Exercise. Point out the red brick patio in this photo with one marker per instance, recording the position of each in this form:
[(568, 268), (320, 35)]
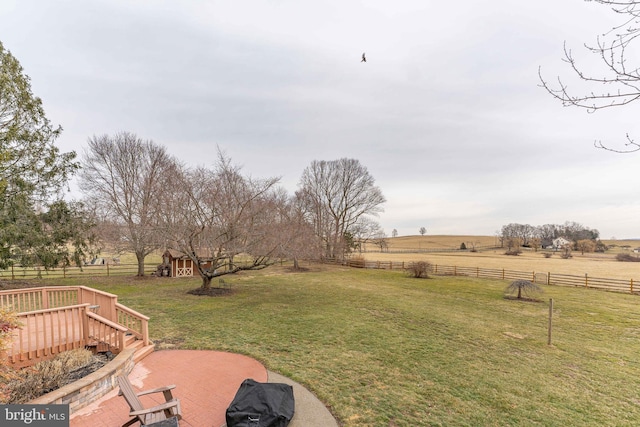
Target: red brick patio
[(206, 382)]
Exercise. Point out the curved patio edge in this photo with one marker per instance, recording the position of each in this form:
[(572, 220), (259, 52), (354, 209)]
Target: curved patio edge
[(309, 410)]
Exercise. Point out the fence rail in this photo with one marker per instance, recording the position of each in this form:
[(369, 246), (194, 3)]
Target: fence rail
[(17, 272), (556, 279), (436, 250)]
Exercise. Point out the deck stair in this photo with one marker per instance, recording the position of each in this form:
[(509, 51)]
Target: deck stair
[(141, 351), (130, 341)]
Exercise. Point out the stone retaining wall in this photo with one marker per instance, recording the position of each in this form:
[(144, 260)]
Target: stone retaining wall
[(90, 388)]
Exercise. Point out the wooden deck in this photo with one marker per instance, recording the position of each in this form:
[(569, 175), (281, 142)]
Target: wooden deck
[(57, 319)]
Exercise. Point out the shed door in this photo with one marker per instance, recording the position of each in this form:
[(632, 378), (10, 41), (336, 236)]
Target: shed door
[(184, 268)]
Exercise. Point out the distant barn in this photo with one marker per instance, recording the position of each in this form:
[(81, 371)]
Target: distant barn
[(561, 242)]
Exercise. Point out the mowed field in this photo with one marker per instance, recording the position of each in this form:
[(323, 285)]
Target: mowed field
[(418, 248), (382, 349)]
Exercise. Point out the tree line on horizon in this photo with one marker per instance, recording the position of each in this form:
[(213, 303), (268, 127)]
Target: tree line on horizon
[(515, 235)]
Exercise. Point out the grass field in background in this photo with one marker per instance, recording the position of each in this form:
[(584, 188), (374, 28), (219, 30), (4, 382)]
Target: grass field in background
[(382, 349), (593, 264), (454, 242)]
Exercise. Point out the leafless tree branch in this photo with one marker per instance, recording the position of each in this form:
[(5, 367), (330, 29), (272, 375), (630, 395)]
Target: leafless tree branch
[(619, 82)]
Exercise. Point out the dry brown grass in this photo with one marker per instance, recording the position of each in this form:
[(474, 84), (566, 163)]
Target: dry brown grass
[(593, 264), (48, 375), (439, 242)]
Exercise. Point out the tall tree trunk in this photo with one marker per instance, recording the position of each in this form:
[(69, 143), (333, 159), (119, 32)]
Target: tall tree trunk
[(206, 282), (140, 258)]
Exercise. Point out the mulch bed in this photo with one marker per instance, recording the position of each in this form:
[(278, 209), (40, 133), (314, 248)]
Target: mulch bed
[(97, 362), (211, 292)]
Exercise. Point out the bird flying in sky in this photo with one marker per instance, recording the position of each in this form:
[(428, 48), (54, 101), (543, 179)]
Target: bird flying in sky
[(364, 59)]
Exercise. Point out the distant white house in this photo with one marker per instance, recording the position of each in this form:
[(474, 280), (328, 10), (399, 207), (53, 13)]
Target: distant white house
[(560, 242)]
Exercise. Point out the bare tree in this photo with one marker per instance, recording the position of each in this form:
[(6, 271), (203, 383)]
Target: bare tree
[(618, 83), (381, 242), (123, 177), (394, 233), (524, 232), (366, 230), (336, 194), (586, 245), (535, 243), (513, 245), (523, 289), (223, 221), (296, 236)]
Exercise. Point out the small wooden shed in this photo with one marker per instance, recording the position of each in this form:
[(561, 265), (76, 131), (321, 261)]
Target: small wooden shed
[(177, 264)]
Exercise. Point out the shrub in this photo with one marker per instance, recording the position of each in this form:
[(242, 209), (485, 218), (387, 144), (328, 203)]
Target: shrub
[(548, 254), (48, 375), (419, 269), (463, 247), (8, 322), (513, 252), (566, 252), (627, 258), (523, 289)]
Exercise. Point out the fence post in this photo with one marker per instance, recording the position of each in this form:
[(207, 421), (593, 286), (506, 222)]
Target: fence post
[(586, 281), (549, 278), (477, 271), (503, 274), (533, 277), (455, 270), (550, 318), (631, 285)]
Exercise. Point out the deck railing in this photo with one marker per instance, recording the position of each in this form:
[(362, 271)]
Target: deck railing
[(106, 335), (56, 319), (136, 323), (45, 333)]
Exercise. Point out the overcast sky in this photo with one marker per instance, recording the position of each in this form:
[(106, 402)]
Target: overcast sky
[(446, 114)]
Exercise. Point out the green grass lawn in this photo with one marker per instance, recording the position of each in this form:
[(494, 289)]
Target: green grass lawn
[(382, 349)]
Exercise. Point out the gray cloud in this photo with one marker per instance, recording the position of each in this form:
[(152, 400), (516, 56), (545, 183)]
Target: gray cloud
[(446, 114)]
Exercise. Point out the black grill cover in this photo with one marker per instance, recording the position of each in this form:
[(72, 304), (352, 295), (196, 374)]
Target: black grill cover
[(261, 405)]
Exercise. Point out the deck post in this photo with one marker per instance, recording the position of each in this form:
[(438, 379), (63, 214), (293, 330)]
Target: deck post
[(85, 324)]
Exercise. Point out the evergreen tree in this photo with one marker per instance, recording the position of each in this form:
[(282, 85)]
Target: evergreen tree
[(35, 222)]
